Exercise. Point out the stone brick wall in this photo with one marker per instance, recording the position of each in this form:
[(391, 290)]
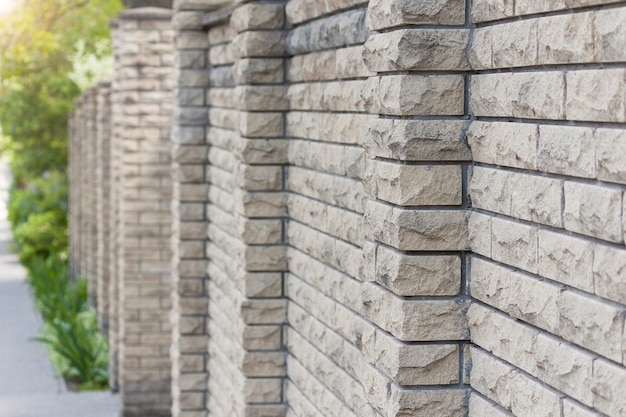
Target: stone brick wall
[(378, 208), (547, 227)]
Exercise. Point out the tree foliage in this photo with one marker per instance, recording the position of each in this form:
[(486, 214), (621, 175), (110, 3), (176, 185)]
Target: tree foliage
[(43, 44)]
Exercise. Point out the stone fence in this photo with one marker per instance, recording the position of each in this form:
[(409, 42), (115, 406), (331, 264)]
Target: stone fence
[(359, 209)]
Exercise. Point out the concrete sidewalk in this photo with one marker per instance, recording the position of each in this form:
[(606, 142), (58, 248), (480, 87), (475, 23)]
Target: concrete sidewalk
[(29, 386)]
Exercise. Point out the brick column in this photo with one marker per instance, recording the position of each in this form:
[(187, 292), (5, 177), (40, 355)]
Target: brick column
[(416, 219), (103, 181), (143, 95), (190, 302), (91, 195)]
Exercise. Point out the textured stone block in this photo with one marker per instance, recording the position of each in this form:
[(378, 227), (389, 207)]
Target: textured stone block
[(404, 95), (255, 125), (413, 185), (532, 95), (257, 16), (566, 259), (596, 95), (485, 10), (491, 143), (417, 230), (610, 146), (593, 210), (259, 44), (417, 49), (384, 14), (258, 71), (609, 273), (420, 275), (514, 244), (567, 150), (266, 98), (417, 140)]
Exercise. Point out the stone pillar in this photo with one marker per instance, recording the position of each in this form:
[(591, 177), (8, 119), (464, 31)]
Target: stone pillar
[(73, 175), (103, 209), (84, 186), (143, 42), (189, 268), (416, 220), (91, 195)]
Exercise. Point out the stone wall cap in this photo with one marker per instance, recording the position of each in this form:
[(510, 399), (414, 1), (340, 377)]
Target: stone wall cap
[(146, 13)]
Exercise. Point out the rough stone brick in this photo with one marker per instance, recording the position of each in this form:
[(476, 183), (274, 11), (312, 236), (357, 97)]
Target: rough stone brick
[(593, 210), (566, 259), (514, 244), (571, 409), (417, 49), (258, 71), (267, 98), (412, 185), (312, 67), (479, 406), (609, 30), (490, 143), (299, 11), (609, 273), (607, 395), (403, 95), (257, 16), (264, 124), (407, 275), (507, 45), (417, 230), (349, 63), (567, 150), (533, 95), (384, 14), (596, 95), (610, 146), (565, 39), (479, 231), (485, 10)]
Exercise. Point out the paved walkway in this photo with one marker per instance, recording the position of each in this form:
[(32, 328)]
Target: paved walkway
[(29, 386)]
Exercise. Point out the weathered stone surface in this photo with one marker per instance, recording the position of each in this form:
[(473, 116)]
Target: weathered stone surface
[(384, 14), (264, 124), (404, 95), (533, 95), (565, 39), (258, 71), (610, 146), (415, 321), (607, 396), (490, 143), (596, 95), (485, 10), (609, 273), (299, 11), (344, 29), (417, 140), (593, 210), (259, 44), (417, 230), (512, 44), (514, 244), (566, 259), (413, 185), (407, 275), (257, 16), (417, 49), (567, 150), (268, 98)]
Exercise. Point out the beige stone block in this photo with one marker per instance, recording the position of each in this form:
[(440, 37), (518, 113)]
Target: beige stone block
[(479, 231), (565, 39), (259, 178), (415, 320), (315, 66), (259, 71), (610, 147), (259, 44), (221, 34), (349, 63), (422, 275), (514, 44), (259, 231), (404, 95), (417, 140), (563, 368), (594, 211), (384, 14), (329, 127), (262, 390), (513, 341), (567, 150), (299, 11), (259, 364), (257, 16), (259, 151), (609, 31), (416, 185), (514, 244), (254, 125), (566, 259), (332, 96), (261, 337), (189, 39), (263, 311), (545, 402), (417, 364), (609, 273), (536, 6), (532, 95), (481, 53), (608, 380), (417, 49), (265, 98), (491, 378), (417, 230), (263, 284), (596, 95), (486, 10)]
